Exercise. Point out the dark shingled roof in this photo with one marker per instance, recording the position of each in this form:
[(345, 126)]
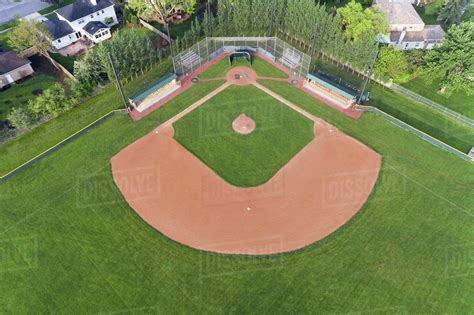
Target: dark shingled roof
[(58, 28), (93, 27), (81, 8), (10, 61)]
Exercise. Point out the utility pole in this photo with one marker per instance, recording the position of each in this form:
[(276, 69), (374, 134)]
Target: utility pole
[(270, 32), (369, 74), (117, 79), (171, 46), (209, 27)]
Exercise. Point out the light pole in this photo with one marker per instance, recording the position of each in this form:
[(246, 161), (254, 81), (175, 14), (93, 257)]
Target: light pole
[(171, 45), (209, 26), (270, 32), (369, 74), (117, 79)]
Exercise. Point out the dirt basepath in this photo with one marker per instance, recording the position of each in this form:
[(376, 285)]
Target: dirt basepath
[(313, 195)]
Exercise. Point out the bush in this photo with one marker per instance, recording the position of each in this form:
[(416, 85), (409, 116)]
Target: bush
[(20, 118), (109, 20)]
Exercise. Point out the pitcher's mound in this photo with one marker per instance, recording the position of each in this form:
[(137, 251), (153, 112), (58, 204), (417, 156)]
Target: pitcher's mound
[(243, 124)]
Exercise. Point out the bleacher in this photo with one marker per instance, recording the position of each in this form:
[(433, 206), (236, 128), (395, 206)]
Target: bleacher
[(190, 59), (291, 58), (155, 92), (325, 89)]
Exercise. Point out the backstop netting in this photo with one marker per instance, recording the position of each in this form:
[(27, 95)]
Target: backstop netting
[(273, 48)]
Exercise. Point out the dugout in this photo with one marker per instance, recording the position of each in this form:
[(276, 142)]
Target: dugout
[(155, 92), (240, 55), (323, 87)]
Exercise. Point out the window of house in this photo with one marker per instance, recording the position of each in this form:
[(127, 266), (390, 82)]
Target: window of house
[(81, 21), (98, 13), (103, 11), (92, 15), (59, 40), (69, 36)]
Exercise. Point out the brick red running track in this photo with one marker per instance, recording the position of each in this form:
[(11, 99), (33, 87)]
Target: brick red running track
[(318, 191)]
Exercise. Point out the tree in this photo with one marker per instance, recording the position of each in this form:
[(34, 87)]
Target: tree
[(452, 11), (453, 61), (358, 22), (52, 102), (30, 34), (161, 10), (391, 63), (19, 118)]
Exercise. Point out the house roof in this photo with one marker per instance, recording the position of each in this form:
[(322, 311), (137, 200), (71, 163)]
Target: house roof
[(58, 28), (94, 27), (431, 33), (81, 8), (10, 61), (399, 11)]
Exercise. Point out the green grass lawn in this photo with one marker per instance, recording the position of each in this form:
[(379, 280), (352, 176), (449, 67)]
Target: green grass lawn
[(66, 62), (459, 102), (244, 160), (19, 94), (261, 67), (71, 244), (28, 145)]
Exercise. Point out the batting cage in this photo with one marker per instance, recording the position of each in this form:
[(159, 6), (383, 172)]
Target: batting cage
[(273, 48)]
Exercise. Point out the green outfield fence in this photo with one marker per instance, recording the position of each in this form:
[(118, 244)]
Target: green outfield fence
[(60, 144), (420, 134)]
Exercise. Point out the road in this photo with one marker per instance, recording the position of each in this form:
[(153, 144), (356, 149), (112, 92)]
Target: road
[(10, 8)]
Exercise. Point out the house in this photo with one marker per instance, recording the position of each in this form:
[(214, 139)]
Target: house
[(13, 68), (87, 19), (407, 29)]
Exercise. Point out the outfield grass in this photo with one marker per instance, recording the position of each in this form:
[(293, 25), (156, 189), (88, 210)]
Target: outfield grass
[(19, 94), (28, 145), (459, 101), (70, 242), (244, 160), (261, 67)]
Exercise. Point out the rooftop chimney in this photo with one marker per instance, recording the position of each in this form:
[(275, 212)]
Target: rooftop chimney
[(94, 2)]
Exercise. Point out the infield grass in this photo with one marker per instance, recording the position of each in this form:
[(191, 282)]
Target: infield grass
[(261, 67), (244, 160)]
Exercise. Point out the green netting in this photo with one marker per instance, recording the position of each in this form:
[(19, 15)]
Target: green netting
[(330, 86)]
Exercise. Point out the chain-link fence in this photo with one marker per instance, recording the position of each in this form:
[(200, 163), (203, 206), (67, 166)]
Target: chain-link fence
[(416, 132), (273, 48), (423, 100)]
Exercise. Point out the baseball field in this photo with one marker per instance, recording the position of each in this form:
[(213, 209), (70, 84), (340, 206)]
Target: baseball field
[(71, 242)]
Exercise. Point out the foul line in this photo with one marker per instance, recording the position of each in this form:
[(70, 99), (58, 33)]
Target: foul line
[(43, 154)]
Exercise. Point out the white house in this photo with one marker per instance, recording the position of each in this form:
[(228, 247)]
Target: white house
[(407, 29), (90, 19)]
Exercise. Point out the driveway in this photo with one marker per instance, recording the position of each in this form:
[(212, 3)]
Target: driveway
[(11, 8)]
